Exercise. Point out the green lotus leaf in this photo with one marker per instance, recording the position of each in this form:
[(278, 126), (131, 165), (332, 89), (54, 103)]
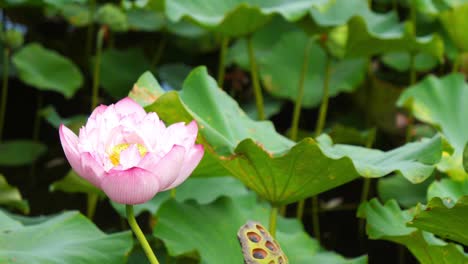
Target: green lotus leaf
[(73, 183), (214, 240), (11, 197), (146, 90), (279, 51), (65, 238), (368, 33), (442, 103), (280, 70), (145, 20), (407, 194), (456, 16), (448, 189), (52, 117), (120, 68), (447, 221), (47, 70), (20, 152), (201, 190), (388, 222), (414, 161), (273, 166), (434, 7), (238, 18), (401, 61)]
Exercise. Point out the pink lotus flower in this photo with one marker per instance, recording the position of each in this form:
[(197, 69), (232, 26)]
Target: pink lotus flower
[(129, 154)]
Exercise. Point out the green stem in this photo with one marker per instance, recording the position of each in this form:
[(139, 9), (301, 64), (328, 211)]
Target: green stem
[(222, 58), (159, 51), (97, 67), (369, 3), (6, 63), (255, 80), (140, 236), (37, 118), (273, 217), (366, 187), (35, 136), (89, 33), (324, 105), (91, 204), (300, 209), (173, 193), (456, 64), (315, 217), (413, 79), (300, 91)]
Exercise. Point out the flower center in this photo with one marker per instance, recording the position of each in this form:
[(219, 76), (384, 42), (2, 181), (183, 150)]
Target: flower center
[(115, 153)]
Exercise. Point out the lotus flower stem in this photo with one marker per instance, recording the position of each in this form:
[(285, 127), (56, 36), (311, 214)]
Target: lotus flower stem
[(255, 80), (324, 106), (91, 204), (222, 58), (173, 193), (365, 188), (159, 51), (140, 236), (300, 91), (456, 64), (97, 67), (6, 62), (273, 218), (89, 33), (315, 217), (413, 79), (300, 209), (35, 135)]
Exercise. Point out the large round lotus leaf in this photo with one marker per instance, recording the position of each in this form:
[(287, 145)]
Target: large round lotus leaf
[(46, 69), (237, 17), (447, 221), (20, 152), (217, 224), (389, 222), (443, 103), (280, 70), (370, 33), (273, 166), (66, 238)]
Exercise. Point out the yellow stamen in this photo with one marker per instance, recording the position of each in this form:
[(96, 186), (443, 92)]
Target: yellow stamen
[(115, 153)]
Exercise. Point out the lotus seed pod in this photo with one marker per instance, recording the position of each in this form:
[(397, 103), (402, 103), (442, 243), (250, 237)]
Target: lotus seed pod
[(13, 38)]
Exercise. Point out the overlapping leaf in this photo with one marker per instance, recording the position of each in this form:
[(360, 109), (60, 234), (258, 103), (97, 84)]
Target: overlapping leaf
[(214, 240), (369, 33), (388, 222), (237, 18), (442, 219), (442, 103), (279, 51), (46, 69), (415, 161), (407, 194), (66, 238), (268, 163), (201, 190)]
